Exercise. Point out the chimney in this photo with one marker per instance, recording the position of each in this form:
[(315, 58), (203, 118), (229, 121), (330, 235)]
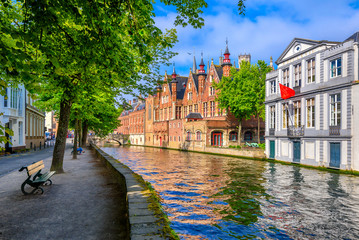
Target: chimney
[(130, 102)]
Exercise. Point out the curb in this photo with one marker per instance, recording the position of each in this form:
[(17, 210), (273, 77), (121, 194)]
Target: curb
[(146, 218)]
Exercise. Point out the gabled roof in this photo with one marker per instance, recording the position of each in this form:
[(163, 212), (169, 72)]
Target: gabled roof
[(219, 70), (194, 115), (295, 41), (195, 80), (354, 37), (141, 107), (181, 86)]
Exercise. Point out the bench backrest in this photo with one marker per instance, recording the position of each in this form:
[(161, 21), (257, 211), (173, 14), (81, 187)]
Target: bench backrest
[(34, 168)]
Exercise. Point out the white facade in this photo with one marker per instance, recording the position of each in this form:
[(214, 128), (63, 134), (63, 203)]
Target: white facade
[(316, 126), (12, 105)]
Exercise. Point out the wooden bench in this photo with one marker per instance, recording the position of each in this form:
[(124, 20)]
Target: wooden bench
[(35, 178)]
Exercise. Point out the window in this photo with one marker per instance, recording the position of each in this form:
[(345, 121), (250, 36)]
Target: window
[(213, 108), (14, 97), (170, 138), (198, 135), (164, 89), (311, 70), (179, 138), (190, 108), (273, 86), (189, 85), (211, 91), (233, 136), (185, 111), (165, 111), (297, 114), (178, 112), (188, 136), (285, 77), (190, 96), (211, 78), (310, 112), (297, 75), (248, 136), (174, 138), (272, 117), (335, 110), (170, 112), (196, 108), (179, 125), (336, 68), (205, 109), (285, 115)]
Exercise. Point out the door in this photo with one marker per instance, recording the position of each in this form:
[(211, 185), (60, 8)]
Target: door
[(271, 149), (296, 152), (334, 155), (216, 139)]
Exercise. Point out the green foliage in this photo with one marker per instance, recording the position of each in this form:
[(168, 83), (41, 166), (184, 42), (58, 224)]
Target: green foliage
[(262, 145)]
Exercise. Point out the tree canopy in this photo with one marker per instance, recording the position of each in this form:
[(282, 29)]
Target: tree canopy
[(243, 92), (60, 49)]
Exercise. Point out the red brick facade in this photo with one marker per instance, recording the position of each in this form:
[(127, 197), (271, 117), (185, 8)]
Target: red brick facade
[(179, 96)]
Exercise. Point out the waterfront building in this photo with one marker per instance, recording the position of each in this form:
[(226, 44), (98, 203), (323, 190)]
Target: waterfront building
[(35, 125), (186, 115), (133, 122), (316, 126), (12, 105)]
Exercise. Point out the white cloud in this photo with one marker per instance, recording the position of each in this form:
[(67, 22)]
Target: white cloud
[(265, 34)]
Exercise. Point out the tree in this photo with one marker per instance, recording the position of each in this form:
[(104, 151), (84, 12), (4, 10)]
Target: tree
[(243, 93), (60, 48)]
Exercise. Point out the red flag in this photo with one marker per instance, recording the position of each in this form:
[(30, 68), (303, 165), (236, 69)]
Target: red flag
[(286, 92)]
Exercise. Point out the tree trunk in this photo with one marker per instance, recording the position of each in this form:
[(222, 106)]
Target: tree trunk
[(60, 145), (239, 132), (259, 129), (80, 132), (74, 153), (84, 133)]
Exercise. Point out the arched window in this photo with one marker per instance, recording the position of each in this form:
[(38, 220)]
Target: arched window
[(198, 135), (233, 136), (188, 136), (248, 136)]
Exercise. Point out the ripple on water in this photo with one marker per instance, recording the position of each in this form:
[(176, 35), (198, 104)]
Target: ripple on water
[(211, 197)]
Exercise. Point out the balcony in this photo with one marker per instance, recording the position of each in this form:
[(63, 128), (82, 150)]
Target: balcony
[(271, 131), (293, 131), (334, 130)]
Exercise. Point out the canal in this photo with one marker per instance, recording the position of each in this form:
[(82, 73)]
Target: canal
[(214, 197)]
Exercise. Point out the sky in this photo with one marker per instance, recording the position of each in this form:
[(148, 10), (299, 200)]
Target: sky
[(266, 29)]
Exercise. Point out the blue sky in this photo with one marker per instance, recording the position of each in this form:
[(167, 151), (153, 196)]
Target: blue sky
[(266, 29)]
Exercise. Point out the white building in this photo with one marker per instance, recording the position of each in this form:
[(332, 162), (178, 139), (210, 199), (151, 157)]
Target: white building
[(12, 105), (319, 125)]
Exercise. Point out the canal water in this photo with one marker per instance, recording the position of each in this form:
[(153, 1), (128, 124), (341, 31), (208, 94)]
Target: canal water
[(213, 197)]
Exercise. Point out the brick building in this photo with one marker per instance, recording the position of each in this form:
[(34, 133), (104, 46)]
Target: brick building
[(133, 122), (184, 114)]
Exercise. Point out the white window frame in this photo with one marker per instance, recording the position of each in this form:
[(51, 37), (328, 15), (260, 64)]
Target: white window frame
[(310, 112), (297, 113), (285, 77), (311, 71), (336, 68), (298, 75), (272, 117), (273, 86), (335, 109)]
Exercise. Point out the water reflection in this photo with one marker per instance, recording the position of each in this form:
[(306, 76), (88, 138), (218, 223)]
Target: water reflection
[(210, 197)]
